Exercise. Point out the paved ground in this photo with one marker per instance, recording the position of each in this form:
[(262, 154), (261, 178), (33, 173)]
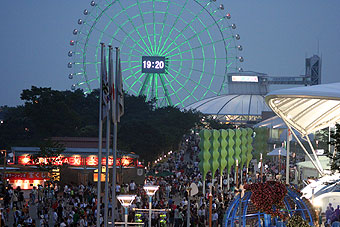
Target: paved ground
[(32, 211)]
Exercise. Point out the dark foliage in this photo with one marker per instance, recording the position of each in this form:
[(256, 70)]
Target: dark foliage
[(144, 129), (335, 157)]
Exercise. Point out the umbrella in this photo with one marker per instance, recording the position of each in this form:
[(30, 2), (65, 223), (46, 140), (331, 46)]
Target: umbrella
[(164, 174), (150, 173), (276, 152)]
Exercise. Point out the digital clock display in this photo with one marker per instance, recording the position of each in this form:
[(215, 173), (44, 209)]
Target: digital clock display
[(153, 64)]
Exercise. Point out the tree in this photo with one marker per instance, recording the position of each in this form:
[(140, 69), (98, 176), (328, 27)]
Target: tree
[(60, 113), (150, 131), (335, 157), (144, 129)]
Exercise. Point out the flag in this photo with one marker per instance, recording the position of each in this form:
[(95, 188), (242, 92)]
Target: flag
[(119, 88), (111, 83), (105, 90)]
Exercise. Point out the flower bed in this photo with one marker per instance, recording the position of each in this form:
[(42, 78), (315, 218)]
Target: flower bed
[(268, 197)]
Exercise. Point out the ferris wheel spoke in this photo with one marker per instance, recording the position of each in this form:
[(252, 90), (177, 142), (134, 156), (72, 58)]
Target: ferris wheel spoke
[(193, 59), (197, 47), (189, 92), (163, 25), (104, 33), (86, 63), (95, 46), (133, 25), (131, 86), (126, 33), (175, 92), (198, 33), (133, 74), (201, 71), (142, 88), (189, 24), (128, 61), (165, 89), (173, 25), (146, 29), (133, 67), (154, 26), (149, 81), (189, 33), (198, 84), (156, 85), (130, 54)]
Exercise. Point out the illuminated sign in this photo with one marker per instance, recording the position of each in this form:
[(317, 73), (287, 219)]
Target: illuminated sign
[(26, 175), (58, 161), (76, 160), (251, 79), (153, 64)]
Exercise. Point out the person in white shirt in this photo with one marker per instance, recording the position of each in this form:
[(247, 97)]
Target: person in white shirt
[(214, 218), (117, 188), (132, 186)]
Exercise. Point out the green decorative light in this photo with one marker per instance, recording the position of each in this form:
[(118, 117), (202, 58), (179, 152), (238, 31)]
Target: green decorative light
[(193, 35)]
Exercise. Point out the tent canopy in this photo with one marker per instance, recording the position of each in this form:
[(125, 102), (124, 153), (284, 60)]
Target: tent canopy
[(307, 109), (278, 151)]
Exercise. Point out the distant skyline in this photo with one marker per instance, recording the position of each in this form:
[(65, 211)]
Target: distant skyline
[(276, 37)]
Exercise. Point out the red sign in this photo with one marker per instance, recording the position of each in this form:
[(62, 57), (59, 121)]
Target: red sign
[(26, 176), (73, 161), (77, 160), (126, 161)]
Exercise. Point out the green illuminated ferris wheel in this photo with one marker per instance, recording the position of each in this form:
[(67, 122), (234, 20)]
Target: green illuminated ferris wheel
[(177, 52)]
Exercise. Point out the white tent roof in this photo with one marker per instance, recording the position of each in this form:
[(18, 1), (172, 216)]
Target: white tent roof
[(277, 151), (308, 164), (319, 184), (307, 109), (273, 122), (231, 105)]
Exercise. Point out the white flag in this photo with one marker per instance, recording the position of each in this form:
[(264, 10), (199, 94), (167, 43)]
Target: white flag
[(105, 87), (119, 95)]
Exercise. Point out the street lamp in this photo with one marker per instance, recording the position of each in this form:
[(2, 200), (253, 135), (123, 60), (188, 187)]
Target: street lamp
[(126, 201), (150, 191)]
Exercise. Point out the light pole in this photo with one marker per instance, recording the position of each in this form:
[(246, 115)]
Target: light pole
[(5, 162), (150, 191), (126, 201)]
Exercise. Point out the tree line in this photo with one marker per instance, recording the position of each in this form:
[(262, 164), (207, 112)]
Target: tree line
[(144, 129)]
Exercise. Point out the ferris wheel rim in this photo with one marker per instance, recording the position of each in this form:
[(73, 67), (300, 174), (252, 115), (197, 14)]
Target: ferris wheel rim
[(159, 50)]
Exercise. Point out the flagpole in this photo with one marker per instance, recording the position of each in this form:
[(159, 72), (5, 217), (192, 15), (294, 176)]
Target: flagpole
[(100, 138), (109, 81), (107, 170), (114, 146), (287, 157)]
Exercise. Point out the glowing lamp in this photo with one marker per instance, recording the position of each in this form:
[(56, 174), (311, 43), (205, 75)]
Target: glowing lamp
[(150, 189), (126, 200)]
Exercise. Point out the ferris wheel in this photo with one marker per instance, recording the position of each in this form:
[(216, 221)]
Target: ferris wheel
[(176, 52)]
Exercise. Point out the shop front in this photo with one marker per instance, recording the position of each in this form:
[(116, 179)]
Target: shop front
[(75, 165), (26, 180)]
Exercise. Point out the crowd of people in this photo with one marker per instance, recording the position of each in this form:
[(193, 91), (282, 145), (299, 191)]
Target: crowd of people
[(332, 216), (76, 205)]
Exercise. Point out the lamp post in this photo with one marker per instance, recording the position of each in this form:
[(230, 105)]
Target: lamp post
[(126, 201), (150, 191), (5, 162)]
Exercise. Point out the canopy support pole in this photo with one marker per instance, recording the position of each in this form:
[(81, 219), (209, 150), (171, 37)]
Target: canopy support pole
[(304, 149), (314, 153)]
